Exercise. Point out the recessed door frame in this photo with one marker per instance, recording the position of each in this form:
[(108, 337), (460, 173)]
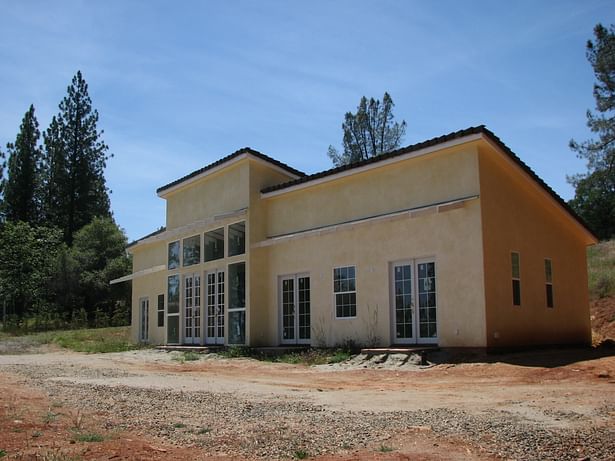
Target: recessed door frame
[(215, 303), (144, 320), (193, 310)]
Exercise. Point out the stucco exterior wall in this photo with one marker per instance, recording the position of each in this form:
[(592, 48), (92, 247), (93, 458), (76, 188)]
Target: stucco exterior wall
[(219, 192), (518, 216), (438, 176), (149, 286), (453, 238)]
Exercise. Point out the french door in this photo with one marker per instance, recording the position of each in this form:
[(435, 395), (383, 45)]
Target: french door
[(414, 302), (192, 309), (294, 299), (143, 319), (215, 308)]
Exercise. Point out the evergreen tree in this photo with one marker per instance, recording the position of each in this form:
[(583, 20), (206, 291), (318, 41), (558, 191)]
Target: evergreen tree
[(369, 132), (23, 188), (595, 191), (2, 182), (75, 160)]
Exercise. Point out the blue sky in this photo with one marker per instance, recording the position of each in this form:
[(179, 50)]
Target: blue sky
[(180, 84)]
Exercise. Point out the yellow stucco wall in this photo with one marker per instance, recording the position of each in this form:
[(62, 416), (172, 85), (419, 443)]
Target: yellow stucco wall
[(415, 182), (223, 191), (150, 286), (452, 238), (519, 216)]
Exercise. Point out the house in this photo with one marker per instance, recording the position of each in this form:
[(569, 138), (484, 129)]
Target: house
[(453, 241)]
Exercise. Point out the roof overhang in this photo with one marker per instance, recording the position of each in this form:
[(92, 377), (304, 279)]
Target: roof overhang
[(166, 191), (371, 166)]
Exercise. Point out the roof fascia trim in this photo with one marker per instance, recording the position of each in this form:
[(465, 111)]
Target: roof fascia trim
[(399, 158)]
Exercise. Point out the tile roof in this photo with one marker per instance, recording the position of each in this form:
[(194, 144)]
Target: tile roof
[(156, 232), (244, 150), (480, 129)]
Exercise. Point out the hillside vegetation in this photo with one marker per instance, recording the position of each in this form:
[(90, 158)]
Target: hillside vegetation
[(601, 271)]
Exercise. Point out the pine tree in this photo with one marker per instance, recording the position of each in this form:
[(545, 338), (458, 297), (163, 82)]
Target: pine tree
[(76, 158), (23, 188), (369, 132), (595, 191)]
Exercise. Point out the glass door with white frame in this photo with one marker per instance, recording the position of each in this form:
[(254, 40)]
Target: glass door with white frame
[(192, 309), (295, 309), (215, 308), (414, 302)]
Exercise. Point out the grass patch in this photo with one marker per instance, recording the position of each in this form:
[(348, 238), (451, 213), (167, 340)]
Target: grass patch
[(385, 449), (187, 357), (50, 417), (179, 425), (88, 437), (93, 340), (204, 430), (236, 351), (2, 453), (301, 357), (601, 269), (301, 454)]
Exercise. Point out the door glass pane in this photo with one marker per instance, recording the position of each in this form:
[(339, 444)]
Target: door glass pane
[(220, 306), (403, 301), (427, 300), (304, 308), (197, 306), (288, 309)]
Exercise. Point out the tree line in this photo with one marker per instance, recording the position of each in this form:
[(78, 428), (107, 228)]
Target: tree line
[(59, 243)]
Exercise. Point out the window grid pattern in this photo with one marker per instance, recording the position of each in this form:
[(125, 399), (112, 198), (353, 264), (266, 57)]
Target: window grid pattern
[(403, 301), (344, 288), (428, 325), (304, 308), (288, 309), (197, 306), (188, 319)]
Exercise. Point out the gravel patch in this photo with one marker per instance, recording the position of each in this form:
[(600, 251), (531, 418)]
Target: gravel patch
[(276, 427)]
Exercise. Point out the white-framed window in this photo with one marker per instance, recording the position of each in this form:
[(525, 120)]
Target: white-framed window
[(237, 238), (214, 244), (237, 303), (345, 292), (549, 282), (173, 309), (173, 255), (515, 261), (192, 250)]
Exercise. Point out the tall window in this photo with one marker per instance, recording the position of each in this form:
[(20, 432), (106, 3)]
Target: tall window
[(516, 278), (549, 282), (237, 303), (192, 250), (214, 244), (345, 292), (237, 239), (173, 310), (161, 310), (173, 261)]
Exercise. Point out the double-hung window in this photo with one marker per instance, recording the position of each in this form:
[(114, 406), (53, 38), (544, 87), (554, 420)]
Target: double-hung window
[(345, 292)]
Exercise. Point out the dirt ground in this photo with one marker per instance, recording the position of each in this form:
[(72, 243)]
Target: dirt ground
[(557, 404)]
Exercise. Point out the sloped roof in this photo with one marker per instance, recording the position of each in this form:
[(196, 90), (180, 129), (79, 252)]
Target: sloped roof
[(156, 232), (480, 129), (244, 150)]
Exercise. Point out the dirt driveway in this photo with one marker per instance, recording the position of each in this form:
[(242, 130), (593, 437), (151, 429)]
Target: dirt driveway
[(58, 405)]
